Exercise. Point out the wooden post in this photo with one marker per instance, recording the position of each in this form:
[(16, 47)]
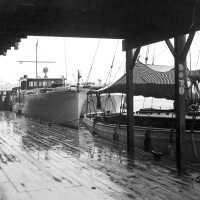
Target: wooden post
[(179, 51), (131, 58), (180, 81)]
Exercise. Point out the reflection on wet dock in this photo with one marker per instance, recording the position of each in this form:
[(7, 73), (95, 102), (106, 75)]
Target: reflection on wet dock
[(43, 161)]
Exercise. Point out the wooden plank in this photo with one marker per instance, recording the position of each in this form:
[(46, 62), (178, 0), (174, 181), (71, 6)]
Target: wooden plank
[(107, 178)]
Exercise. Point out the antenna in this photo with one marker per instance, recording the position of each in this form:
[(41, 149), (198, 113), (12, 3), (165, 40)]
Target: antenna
[(36, 48)]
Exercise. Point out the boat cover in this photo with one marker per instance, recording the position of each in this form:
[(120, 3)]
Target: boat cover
[(146, 82)]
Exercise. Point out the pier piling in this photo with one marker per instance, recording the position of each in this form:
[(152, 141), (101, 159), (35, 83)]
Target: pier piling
[(131, 57), (181, 47)]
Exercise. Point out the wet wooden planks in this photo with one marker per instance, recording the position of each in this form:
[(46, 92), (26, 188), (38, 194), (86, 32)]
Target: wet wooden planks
[(39, 162)]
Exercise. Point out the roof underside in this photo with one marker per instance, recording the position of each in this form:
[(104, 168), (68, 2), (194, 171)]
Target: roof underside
[(143, 21)]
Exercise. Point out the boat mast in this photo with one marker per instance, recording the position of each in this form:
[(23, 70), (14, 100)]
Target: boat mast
[(36, 59), (78, 81), (65, 60)]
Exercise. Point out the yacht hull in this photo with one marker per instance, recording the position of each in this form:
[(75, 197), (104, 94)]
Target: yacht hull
[(61, 107)]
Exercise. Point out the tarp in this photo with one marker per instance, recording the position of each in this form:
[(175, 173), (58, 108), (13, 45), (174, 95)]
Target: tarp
[(146, 82)]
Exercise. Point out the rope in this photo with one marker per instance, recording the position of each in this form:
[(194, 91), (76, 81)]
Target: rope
[(198, 58), (90, 99), (121, 104), (192, 136), (105, 103), (93, 59), (114, 107), (198, 55), (115, 53), (111, 67), (119, 68), (154, 52), (147, 55), (93, 105)]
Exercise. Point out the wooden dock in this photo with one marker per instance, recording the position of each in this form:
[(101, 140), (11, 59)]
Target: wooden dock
[(40, 161)]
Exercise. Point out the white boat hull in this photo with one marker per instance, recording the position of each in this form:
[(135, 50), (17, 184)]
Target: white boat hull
[(62, 107)]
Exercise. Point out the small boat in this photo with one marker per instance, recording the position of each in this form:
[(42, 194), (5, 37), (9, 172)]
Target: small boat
[(154, 129), (48, 99)]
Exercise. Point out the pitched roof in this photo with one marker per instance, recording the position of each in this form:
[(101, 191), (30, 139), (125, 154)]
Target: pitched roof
[(146, 82)]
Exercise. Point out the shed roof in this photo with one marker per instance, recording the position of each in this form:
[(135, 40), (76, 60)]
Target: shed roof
[(143, 21)]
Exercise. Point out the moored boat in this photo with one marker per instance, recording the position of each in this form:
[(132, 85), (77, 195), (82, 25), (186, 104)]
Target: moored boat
[(158, 139), (48, 99), (154, 129)]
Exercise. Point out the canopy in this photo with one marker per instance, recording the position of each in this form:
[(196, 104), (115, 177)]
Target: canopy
[(146, 82)]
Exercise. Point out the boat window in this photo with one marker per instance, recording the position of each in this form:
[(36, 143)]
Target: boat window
[(23, 85), (44, 83), (30, 84), (40, 84), (35, 83)]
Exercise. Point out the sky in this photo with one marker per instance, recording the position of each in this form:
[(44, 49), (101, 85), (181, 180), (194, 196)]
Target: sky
[(73, 54)]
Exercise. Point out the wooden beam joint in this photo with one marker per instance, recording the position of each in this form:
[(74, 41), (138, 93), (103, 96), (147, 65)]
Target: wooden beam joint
[(170, 46), (187, 45), (183, 54)]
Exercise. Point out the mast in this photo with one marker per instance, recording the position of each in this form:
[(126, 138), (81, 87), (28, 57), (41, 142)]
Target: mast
[(36, 60), (36, 49), (65, 60), (78, 81)]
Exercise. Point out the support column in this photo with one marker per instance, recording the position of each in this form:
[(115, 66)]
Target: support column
[(179, 51), (131, 57), (180, 83)]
